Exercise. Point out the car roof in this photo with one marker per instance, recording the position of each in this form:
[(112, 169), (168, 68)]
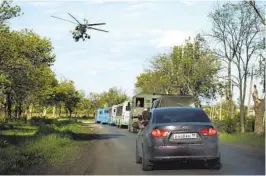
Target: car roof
[(176, 108)]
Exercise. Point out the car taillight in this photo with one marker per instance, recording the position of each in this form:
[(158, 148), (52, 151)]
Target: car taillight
[(159, 133), (208, 132)]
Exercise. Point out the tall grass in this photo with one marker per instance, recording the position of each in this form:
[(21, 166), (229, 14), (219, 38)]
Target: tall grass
[(47, 142), (249, 139)]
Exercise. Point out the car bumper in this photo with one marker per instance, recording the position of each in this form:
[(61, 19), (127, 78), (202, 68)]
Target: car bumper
[(181, 152)]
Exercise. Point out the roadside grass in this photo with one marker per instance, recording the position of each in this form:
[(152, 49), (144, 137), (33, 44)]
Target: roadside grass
[(24, 146), (248, 139), (86, 120)]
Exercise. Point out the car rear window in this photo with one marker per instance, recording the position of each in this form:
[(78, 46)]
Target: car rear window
[(180, 115)]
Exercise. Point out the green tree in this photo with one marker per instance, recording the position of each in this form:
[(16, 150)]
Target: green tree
[(184, 71), (8, 10), (153, 82), (238, 29), (24, 57), (71, 102), (113, 96)]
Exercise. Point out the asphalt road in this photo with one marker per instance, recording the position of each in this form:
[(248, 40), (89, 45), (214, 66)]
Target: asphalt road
[(115, 155)]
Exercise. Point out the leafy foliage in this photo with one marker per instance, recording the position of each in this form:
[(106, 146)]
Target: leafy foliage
[(8, 11), (183, 70)]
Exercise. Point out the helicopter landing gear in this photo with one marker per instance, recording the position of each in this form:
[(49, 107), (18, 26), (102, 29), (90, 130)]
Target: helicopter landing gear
[(87, 36), (76, 39)]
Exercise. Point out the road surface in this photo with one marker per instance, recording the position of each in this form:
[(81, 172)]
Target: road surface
[(115, 155)]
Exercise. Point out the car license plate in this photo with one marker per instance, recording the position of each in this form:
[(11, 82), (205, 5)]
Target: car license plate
[(185, 136)]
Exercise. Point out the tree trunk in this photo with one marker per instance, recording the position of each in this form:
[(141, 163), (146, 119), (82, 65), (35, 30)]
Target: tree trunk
[(53, 111), (242, 105), (20, 110), (242, 117), (259, 112), (230, 94), (5, 109), (66, 110), (9, 106), (243, 109), (59, 114), (44, 112), (30, 110), (16, 112)]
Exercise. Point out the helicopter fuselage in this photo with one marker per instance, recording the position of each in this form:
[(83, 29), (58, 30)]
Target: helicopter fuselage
[(80, 33), (81, 29)]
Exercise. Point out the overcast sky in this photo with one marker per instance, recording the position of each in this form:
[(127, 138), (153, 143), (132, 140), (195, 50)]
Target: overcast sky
[(139, 30)]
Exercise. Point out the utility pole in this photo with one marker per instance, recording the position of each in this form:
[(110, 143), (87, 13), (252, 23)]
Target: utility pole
[(250, 90)]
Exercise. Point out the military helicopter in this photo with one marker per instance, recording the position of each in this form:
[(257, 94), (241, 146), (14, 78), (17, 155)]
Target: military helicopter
[(81, 29)]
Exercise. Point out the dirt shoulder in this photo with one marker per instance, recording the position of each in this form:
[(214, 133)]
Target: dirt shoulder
[(79, 160)]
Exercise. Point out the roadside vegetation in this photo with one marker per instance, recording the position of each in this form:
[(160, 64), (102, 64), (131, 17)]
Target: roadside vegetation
[(40, 141), (41, 116)]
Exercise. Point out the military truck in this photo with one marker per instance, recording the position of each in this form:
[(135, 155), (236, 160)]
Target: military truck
[(140, 102), (174, 100), (149, 101)]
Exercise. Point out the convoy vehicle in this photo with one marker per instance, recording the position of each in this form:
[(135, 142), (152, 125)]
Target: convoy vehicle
[(156, 101), (176, 134), (112, 119), (174, 101), (123, 114), (105, 115), (99, 114), (140, 102)]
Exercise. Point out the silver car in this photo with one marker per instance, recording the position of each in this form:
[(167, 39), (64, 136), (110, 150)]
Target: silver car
[(177, 133)]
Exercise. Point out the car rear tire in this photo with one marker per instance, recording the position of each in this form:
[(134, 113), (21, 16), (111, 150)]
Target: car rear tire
[(215, 164), (146, 165), (138, 158)]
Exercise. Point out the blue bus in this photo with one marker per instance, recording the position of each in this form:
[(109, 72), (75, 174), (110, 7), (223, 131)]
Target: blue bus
[(105, 115), (99, 115), (112, 119)]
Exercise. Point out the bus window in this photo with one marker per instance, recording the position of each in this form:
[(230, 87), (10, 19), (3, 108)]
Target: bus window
[(128, 107), (119, 111), (140, 102), (106, 111)]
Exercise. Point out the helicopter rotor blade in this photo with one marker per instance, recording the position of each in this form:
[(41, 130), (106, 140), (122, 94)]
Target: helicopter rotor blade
[(63, 19), (98, 29), (74, 18), (94, 24)]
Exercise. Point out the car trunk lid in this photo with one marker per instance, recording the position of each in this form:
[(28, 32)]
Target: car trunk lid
[(182, 133)]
